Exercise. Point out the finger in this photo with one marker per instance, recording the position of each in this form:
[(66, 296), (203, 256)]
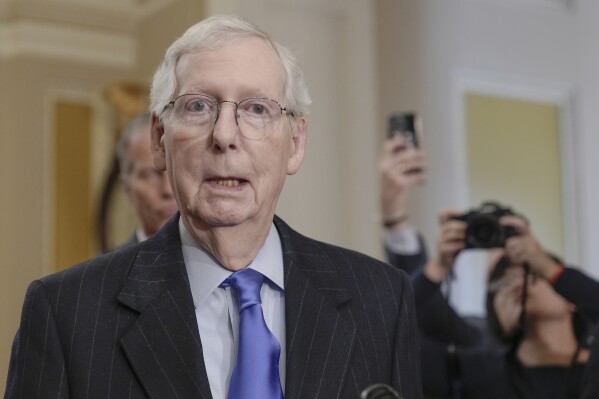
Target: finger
[(415, 155), (514, 245), (516, 222), (395, 144), (452, 247), (449, 214), (416, 160), (516, 249), (454, 230), (400, 163)]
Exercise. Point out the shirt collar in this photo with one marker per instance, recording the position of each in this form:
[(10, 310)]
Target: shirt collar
[(206, 274), (140, 234)]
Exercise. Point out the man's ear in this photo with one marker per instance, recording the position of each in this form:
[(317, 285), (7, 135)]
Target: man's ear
[(125, 184), (299, 139), (158, 137)]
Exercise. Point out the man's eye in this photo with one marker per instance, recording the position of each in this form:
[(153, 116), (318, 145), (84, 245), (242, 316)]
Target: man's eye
[(196, 106), (257, 109)]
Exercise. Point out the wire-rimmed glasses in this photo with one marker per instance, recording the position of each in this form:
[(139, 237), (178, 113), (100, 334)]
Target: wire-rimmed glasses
[(256, 117)]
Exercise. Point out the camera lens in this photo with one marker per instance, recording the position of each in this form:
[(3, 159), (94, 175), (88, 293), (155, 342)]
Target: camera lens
[(484, 232)]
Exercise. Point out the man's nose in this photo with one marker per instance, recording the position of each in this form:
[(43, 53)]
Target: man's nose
[(226, 128)]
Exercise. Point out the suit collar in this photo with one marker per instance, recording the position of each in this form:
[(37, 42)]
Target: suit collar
[(163, 344), (320, 337)]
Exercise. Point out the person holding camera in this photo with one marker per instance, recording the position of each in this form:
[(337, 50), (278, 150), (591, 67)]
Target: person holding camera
[(538, 310)]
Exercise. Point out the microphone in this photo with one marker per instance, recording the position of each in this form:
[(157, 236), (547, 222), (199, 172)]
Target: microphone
[(379, 391)]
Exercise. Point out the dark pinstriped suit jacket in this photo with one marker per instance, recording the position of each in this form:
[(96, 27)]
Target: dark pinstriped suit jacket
[(123, 325)]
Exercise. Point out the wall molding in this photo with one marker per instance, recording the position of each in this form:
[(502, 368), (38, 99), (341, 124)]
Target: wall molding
[(47, 40), (555, 93), (100, 32), (555, 4)]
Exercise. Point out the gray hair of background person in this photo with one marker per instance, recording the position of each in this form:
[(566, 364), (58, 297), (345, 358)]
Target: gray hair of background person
[(214, 33), (133, 128)]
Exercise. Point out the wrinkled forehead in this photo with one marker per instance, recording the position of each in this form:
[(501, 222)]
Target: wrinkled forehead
[(249, 63)]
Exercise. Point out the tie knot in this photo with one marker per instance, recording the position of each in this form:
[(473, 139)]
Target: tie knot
[(248, 283)]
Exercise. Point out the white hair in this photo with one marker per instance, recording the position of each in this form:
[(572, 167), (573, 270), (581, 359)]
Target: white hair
[(139, 124), (217, 31)]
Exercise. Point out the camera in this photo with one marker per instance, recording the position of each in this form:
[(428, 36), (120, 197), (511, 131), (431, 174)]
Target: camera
[(482, 226)]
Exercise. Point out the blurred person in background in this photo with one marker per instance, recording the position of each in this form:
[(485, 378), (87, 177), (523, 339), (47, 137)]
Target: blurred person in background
[(539, 313), (147, 189)]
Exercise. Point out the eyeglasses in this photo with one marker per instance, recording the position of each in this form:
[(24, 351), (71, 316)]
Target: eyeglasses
[(256, 117)]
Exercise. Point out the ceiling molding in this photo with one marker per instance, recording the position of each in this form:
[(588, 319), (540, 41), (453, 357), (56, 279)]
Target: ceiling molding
[(555, 4), (120, 15), (36, 38), (98, 31)]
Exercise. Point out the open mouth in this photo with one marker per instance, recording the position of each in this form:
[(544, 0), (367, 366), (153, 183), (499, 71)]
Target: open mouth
[(229, 182)]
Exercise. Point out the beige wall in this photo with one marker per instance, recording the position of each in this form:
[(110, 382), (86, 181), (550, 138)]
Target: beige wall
[(25, 126), (30, 85), (514, 158)]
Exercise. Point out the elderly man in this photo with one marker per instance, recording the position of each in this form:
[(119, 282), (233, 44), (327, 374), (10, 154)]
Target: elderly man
[(147, 189), (226, 300)]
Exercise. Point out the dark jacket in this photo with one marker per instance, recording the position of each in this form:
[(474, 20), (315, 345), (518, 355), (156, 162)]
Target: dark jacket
[(123, 325)]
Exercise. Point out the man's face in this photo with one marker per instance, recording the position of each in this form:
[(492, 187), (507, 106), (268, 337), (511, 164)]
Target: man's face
[(220, 177), (147, 189)]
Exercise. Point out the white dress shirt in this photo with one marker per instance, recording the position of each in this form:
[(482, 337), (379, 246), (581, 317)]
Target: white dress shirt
[(217, 309), (140, 234), (404, 241)]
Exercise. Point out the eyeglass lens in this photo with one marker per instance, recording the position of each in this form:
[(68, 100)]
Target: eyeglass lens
[(256, 116)]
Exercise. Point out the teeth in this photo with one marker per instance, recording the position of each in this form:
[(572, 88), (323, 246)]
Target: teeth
[(228, 182)]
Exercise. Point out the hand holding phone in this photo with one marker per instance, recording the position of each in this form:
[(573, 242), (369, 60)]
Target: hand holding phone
[(408, 125)]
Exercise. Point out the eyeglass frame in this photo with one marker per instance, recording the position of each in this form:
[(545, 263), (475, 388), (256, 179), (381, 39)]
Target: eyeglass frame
[(236, 103)]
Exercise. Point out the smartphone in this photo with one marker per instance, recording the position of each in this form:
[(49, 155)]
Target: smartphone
[(408, 125)]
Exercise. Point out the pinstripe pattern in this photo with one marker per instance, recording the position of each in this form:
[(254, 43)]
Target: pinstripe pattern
[(123, 326)]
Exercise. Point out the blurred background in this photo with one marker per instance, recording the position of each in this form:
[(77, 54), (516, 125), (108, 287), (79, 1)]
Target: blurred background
[(508, 91)]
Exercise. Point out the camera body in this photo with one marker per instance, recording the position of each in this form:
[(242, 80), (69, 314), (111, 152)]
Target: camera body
[(482, 226)]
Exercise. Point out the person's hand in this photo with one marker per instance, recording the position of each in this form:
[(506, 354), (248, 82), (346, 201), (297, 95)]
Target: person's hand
[(401, 167), (450, 241), (508, 299), (525, 248)]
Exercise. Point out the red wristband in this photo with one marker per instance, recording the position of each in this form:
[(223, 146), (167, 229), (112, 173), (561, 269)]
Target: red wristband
[(553, 278)]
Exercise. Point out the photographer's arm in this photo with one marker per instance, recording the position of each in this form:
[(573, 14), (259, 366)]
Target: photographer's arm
[(450, 241), (525, 248), (436, 317), (397, 161), (572, 284), (397, 167)]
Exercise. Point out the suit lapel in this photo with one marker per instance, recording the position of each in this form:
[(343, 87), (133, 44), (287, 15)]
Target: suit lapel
[(163, 345), (319, 339)]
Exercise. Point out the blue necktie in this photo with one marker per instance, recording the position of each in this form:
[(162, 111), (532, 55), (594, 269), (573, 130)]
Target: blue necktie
[(256, 373)]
